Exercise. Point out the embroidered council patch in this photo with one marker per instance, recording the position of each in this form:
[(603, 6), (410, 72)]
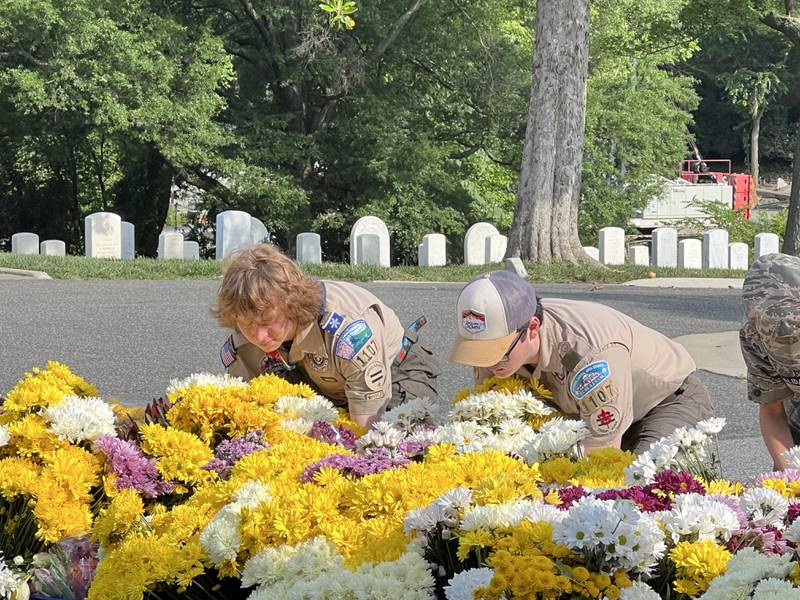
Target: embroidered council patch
[(352, 339), (333, 323), (319, 362), (473, 321), (588, 378), (375, 376), (604, 420), (227, 353)]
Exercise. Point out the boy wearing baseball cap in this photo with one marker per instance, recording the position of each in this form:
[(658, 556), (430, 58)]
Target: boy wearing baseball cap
[(629, 383)]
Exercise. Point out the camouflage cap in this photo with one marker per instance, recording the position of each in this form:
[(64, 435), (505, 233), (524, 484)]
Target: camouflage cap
[(771, 302)]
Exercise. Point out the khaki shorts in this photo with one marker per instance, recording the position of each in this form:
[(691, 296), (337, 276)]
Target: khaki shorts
[(684, 407)]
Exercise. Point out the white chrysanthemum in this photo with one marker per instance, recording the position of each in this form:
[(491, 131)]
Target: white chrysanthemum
[(9, 580), (466, 436), (204, 379), (776, 589), (285, 564), (462, 585), (792, 532), (492, 516), (746, 569), (711, 426), (5, 436), (663, 453), (694, 516), (765, 505), (381, 435), (407, 578), (77, 419), (493, 407), (792, 457), (444, 510), (642, 470), (220, 538), (557, 437), (251, 494), (311, 409), (638, 590), (416, 412)]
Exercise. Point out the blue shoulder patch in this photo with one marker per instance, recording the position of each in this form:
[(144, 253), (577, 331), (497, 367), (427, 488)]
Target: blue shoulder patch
[(333, 323), (227, 353), (352, 339), (588, 378)]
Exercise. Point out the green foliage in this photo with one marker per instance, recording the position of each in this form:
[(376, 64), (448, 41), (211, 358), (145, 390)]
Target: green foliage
[(339, 12), (740, 228)]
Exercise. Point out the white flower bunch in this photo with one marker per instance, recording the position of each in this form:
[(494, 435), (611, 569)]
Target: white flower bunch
[(462, 585), (685, 449), (492, 516), (221, 539), (444, 511), (299, 413), (638, 590), (614, 531), (747, 571), (11, 582), (492, 408), (466, 436), (557, 437), (765, 506), (382, 434), (416, 412), (176, 386), (314, 570), (792, 457), (696, 517), (77, 419), (5, 436)]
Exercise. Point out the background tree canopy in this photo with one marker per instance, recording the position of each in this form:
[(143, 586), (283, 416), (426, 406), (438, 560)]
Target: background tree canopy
[(416, 114)]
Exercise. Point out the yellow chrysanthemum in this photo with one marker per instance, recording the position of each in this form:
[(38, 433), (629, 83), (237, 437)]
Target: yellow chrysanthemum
[(46, 387), (123, 514), (558, 470), (697, 564), (179, 455), (266, 389), (723, 486)]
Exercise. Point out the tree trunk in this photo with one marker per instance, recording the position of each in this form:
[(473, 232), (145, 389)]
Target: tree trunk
[(755, 131), (791, 240), (545, 226)]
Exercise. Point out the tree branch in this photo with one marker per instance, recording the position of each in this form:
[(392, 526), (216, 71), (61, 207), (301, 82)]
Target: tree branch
[(791, 7), (788, 26)]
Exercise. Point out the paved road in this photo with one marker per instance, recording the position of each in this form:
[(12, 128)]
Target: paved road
[(131, 337)]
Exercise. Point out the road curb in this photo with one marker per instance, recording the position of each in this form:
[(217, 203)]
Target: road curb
[(23, 274), (721, 283)]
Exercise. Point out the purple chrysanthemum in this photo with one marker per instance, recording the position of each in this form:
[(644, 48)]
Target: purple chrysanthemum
[(132, 468), (355, 466), (341, 436), (413, 448), (763, 538), (676, 482), (793, 512), (644, 498), (229, 452), (569, 495)]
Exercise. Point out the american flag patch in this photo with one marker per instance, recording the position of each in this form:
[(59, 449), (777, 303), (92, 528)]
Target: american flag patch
[(227, 353)]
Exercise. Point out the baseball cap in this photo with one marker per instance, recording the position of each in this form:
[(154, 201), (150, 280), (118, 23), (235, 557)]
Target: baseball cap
[(490, 311)]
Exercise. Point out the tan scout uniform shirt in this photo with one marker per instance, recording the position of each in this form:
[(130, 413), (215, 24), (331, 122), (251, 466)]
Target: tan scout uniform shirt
[(347, 354), (604, 366)]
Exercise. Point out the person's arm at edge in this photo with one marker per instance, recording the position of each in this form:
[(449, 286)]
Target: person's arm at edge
[(775, 431)]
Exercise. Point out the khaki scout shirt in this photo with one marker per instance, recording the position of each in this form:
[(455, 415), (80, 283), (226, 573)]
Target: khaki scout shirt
[(347, 354), (603, 366)]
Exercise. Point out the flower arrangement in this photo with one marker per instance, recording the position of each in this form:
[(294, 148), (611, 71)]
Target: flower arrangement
[(263, 489)]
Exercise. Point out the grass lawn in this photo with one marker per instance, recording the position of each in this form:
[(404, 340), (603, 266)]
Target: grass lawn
[(81, 267)]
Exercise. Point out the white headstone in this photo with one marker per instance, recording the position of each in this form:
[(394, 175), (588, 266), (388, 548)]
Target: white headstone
[(715, 249), (258, 231), (24, 243), (370, 226), (233, 232), (433, 250), (738, 256), (368, 249), (475, 243), (103, 231), (592, 251), (53, 248), (191, 250), (170, 245), (516, 265), (612, 245), (665, 247), (496, 248), (780, 184), (128, 240), (639, 255), (690, 254), (309, 248), (767, 243)]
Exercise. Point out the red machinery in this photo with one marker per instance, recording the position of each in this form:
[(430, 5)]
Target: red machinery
[(700, 170)]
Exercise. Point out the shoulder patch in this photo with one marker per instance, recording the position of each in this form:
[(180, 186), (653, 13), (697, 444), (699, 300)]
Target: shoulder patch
[(227, 354), (333, 323), (604, 420), (588, 378), (352, 339)]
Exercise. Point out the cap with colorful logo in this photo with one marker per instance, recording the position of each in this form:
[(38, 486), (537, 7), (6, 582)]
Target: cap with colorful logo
[(491, 310)]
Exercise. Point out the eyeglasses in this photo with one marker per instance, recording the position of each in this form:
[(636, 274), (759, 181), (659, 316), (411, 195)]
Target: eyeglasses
[(506, 356)]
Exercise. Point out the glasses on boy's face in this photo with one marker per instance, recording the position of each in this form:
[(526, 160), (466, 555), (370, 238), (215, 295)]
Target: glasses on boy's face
[(506, 356)]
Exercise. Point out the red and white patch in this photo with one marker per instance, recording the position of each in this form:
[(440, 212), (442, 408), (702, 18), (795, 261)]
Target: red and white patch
[(473, 321), (604, 420)]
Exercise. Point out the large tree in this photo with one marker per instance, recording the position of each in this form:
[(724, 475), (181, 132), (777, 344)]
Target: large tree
[(545, 226)]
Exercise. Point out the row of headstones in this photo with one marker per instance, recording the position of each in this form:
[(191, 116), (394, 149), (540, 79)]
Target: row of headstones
[(713, 252), (108, 236)]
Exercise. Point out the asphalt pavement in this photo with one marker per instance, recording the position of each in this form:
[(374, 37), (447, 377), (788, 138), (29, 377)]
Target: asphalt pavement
[(130, 338)]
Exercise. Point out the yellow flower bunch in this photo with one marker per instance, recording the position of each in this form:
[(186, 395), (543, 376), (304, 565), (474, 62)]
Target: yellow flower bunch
[(123, 515), (530, 575), (723, 486), (30, 436), (211, 413), (788, 489), (265, 390), (588, 584), (179, 455), (697, 564), (604, 467), (42, 388), (510, 385), (505, 487)]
